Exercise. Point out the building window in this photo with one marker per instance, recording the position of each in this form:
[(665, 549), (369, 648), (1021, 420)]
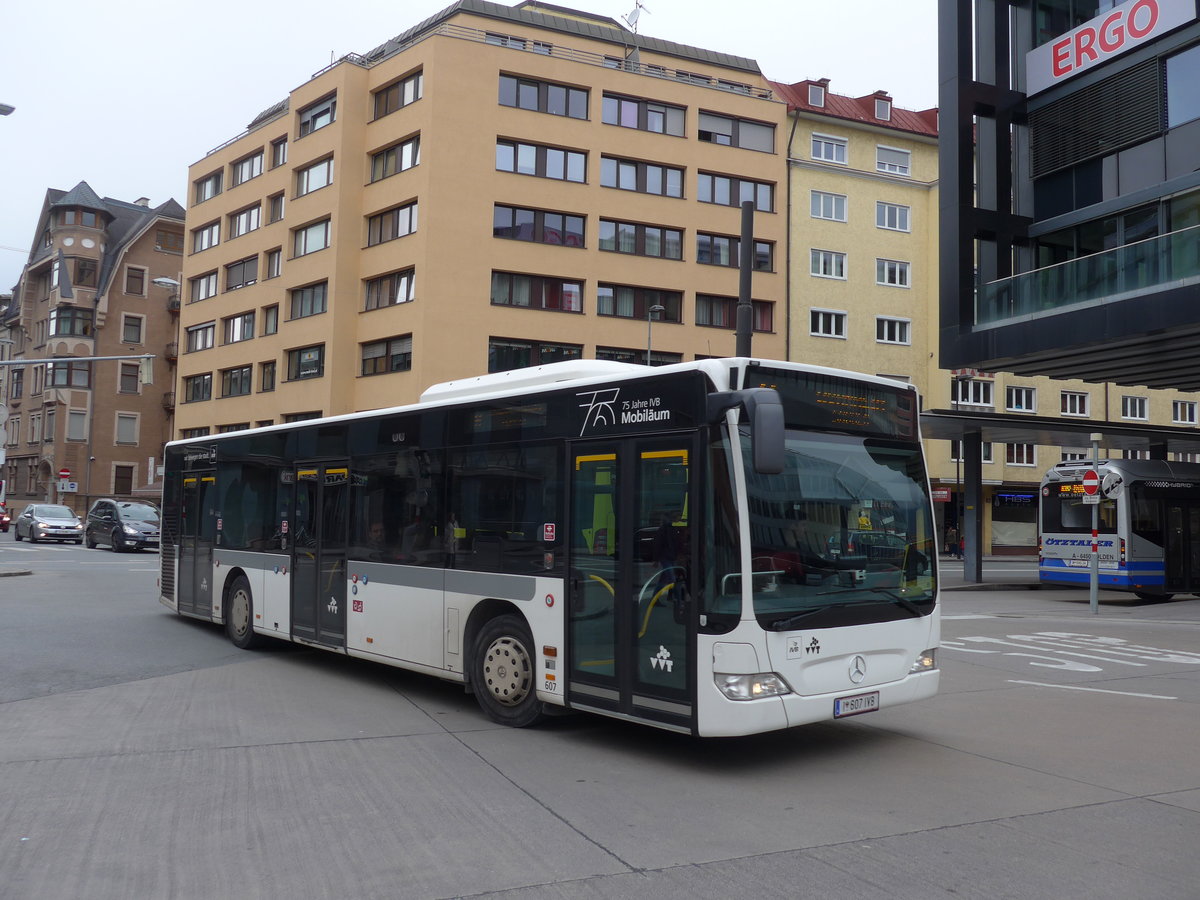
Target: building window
[(391, 224), (70, 321), (892, 216), (317, 115), (127, 378), (883, 110), (644, 115), (829, 149), (206, 236), (541, 161), (1073, 403), (827, 323), (127, 428), (1020, 399), (628, 302), (391, 355), (168, 241), (131, 329), (1182, 75), (985, 451), (203, 287), (1133, 408), (314, 177), (17, 385), (279, 150), (645, 178), (641, 240), (307, 362), (516, 223), (816, 95), (197, 388), (972, 392), (1075, 455), (250, 167), (236, 382), (48, 425), (394, 96), (1183, 412), (1020, 454), (629, 355), (536, 292), (735, 132), (543, 96), (135, 281), (34, 436), (396, 158), (390, 290), (892, 273), (728, 191), (724, 250), (245, 221), (892, 160), (241, 273), (827, 264), (75, 374), (274, 263), (893, 331), (505, 354), (309, 301), (275, 205), (85, 273), (270, 319), (828, 206), (200, 337), (721, 312), (76, 425), (237, 426), (208, 187), (266, 376), (311, 238), (122, 480), (237, 328), (301, 416)]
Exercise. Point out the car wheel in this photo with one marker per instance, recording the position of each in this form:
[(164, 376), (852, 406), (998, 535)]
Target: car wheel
[(117, 545), (17, 533), (91, 544), (503, 672), (239, 615)]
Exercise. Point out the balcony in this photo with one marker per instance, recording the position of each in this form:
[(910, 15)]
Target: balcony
[(173, 303), (171, 351), (1146, 267), (168, 400)]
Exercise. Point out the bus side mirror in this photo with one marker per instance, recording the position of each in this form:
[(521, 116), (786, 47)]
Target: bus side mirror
[(764, 412)]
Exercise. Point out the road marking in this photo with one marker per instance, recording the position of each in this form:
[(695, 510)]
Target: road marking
[(1072, 687), (963, 618)]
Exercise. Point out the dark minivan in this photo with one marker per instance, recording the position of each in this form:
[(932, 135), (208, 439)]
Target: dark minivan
[(122, 524)]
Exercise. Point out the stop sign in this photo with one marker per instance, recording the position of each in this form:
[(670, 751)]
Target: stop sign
[(64, 473), (1091, 482)]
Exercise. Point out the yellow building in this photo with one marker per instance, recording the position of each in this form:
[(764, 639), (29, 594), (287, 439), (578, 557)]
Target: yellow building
[(495, 188)]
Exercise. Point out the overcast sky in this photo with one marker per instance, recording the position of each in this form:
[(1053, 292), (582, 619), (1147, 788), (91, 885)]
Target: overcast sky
[(127, 95)]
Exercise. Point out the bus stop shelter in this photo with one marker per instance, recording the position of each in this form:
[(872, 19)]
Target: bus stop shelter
[(973, 429)]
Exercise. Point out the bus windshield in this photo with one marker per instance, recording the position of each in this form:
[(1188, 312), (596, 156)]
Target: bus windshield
[(842, 536)]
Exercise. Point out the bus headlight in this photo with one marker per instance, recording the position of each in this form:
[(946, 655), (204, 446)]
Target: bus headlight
[(751, 687), (926, 662)]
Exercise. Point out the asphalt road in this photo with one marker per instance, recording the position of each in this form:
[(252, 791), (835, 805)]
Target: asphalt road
[(142, 757)]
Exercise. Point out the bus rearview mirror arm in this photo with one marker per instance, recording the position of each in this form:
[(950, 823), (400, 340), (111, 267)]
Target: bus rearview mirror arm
[(764, 411)]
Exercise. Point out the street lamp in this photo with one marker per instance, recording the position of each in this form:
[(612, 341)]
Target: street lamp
[(5, 109), (654, 312)]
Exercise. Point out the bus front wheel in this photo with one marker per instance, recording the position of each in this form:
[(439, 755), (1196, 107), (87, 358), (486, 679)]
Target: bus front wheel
[(504, 671), (1153, 598), (239, 615)]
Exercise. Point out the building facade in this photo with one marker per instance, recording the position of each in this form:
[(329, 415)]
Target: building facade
[(80, 427), (498, 187)]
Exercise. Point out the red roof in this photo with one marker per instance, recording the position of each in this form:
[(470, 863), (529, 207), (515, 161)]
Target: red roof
[(857, 109)]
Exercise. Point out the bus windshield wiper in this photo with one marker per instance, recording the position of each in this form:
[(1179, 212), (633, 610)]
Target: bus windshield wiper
[(795, 619), (903, 602)]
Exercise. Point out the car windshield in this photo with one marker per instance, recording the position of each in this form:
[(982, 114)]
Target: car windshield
[(53, 512), (842, 536), (141, 512)]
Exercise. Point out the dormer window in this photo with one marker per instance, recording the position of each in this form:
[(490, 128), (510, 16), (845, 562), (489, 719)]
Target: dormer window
[(883, 110), (816, 95)]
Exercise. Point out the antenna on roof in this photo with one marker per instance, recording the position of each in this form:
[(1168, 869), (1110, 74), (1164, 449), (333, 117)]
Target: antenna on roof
[(632, 18)]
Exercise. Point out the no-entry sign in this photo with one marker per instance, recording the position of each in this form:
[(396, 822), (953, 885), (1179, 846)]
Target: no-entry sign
[(1091, 482)]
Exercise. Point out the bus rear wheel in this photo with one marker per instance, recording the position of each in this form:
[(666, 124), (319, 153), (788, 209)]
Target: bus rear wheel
[(1153, 598), (504, 671), (239, 615)]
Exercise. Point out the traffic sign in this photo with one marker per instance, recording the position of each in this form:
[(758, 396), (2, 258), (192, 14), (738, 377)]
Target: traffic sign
[(64, 473), (1091, 482)]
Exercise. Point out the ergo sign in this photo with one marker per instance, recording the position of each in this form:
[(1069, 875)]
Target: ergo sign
[(1099, 40)]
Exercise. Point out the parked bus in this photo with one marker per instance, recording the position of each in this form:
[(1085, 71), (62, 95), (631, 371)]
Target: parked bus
[(680, 546), (1148, 533)]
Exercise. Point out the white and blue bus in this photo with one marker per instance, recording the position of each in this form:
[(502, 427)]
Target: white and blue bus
[(1148, 527), (720, 547)]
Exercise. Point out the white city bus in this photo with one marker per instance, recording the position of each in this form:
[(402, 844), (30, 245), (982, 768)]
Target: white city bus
[(1148, 527), (720, 547)]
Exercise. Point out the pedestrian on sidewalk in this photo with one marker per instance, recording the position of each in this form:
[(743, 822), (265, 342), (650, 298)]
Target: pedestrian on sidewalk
[(952, 545)]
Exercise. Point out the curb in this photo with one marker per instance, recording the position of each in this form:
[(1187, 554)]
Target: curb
[(11, 572), (991, 586)]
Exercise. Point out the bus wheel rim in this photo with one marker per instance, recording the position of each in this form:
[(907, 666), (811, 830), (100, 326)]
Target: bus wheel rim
[(239, 612), (507, 671)]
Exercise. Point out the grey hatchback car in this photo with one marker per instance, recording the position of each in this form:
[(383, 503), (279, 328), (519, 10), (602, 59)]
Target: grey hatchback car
[(48, 522), (122, 524)]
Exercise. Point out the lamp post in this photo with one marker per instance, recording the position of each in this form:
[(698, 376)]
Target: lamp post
[(652, 313)]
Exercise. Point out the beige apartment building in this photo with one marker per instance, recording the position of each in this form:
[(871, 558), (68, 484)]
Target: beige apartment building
[(495, 188), (80, 427)]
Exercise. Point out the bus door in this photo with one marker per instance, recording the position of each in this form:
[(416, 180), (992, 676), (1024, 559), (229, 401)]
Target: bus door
[(318, 527), (631, 544), (1182, 547), (197, 537)]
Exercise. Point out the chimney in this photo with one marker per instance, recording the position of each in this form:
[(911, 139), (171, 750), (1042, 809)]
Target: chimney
[(142, 201)]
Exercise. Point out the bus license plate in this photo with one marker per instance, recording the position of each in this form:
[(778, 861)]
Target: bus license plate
[(856, 705)]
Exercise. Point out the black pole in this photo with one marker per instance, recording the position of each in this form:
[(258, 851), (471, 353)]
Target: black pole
[(745, 310)]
